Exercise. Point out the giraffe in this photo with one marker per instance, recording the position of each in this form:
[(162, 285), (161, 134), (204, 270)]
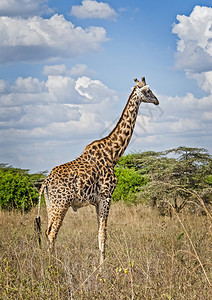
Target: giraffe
[(90, 179)]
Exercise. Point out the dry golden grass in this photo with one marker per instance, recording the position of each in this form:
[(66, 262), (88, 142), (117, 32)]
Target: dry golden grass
[(148, 257)]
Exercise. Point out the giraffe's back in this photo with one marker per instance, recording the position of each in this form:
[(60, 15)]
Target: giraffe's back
[(76, 183)]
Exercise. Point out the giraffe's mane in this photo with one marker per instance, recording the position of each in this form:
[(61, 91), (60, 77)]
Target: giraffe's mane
[(119, 121), (99, 140)]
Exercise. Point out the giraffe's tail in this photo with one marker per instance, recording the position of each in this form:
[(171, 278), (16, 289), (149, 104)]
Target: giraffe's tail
[(37, 221), (37, 227)]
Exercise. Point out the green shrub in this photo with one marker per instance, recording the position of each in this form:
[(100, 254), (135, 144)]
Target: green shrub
[(16, 189), (129, 182)]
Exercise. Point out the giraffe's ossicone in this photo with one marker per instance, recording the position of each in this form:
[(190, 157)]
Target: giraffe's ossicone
[(90, 179)]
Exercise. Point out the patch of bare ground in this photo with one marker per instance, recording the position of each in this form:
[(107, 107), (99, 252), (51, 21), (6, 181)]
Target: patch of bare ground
[(148, 256)]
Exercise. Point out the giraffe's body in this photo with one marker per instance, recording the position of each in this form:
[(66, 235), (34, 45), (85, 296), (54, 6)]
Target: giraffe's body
[(90, 179)]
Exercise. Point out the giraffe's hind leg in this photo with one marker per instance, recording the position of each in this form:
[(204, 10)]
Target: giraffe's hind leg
[(55, 219)]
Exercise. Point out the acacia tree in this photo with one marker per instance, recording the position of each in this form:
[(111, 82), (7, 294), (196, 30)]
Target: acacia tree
[(179, 177)]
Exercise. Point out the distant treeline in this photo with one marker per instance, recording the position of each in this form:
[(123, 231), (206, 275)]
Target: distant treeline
[(169, 180)]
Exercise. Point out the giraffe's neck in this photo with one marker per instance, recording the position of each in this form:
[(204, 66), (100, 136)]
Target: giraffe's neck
[(113, 146), (120, 136)]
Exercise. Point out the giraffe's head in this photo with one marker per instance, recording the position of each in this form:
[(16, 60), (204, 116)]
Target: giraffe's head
[(143, 92)]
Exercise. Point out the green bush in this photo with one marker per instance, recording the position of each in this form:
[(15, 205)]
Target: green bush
[(16, 189), (129, 182)]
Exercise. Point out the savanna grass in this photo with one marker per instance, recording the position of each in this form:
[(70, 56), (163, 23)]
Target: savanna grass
[(148, 256)]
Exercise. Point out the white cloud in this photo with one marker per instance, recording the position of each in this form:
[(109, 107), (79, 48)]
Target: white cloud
[(180, 121), (79, 70), (204, 80), (93, 90), (3, 86), (194, 48), (54, 69), (53, 110), (208, 116), (28, 85), (191, 118), (36, 39), (76, 71), (8, 114), (40, 116), (62, 89), (23, 8), (93, 9)]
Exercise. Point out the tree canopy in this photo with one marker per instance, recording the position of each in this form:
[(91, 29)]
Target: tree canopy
[(175, 177)]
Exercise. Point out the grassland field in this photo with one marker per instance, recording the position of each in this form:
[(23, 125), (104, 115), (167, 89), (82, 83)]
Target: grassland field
[(148, 256)]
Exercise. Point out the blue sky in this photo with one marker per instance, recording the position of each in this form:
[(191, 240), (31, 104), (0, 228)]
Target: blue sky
[(67, 68)]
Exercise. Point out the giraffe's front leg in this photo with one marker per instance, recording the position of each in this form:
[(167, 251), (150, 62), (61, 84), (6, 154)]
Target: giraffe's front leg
[(102, 239), (102, 215)]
